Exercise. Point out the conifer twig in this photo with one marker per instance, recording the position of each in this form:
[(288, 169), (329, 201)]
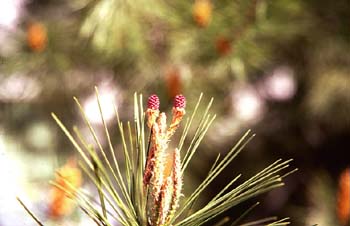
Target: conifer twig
[(149, 192)]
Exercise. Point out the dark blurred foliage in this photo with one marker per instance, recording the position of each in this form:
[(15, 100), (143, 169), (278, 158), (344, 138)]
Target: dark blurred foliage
[(280, 68)]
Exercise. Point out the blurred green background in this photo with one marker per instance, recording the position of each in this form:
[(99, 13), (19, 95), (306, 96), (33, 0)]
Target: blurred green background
[(281, 68)]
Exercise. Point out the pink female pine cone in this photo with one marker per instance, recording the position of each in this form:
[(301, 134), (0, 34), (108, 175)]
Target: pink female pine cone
[(178, 113), (179, 101), (153, 102), (152, 110)]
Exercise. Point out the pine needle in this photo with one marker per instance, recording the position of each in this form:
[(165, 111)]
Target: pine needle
[(29, 212)]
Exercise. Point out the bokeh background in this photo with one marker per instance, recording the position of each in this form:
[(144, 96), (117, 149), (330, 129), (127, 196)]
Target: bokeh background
[(281, 68)]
